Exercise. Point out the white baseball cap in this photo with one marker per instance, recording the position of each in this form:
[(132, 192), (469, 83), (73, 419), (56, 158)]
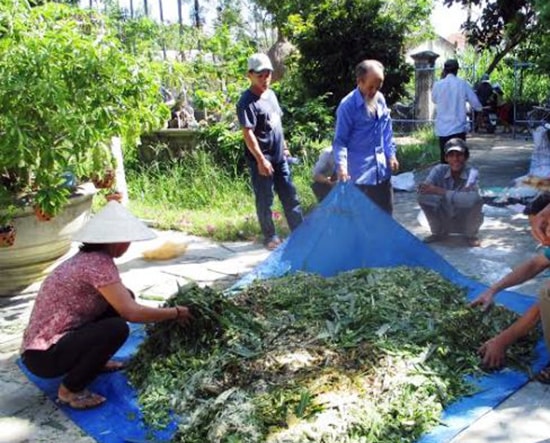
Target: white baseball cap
[(114, 224), (259, 62)]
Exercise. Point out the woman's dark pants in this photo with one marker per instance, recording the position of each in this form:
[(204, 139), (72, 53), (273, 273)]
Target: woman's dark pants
[(80, 355)]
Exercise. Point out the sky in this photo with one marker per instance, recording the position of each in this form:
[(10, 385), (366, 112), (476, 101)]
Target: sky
[(445, 20)]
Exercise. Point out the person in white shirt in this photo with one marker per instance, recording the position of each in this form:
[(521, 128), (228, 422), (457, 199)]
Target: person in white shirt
[(450, 95), (324, 175)]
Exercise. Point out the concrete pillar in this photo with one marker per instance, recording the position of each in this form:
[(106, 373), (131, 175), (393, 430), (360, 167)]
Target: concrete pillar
[(424, 66), (120, 181)]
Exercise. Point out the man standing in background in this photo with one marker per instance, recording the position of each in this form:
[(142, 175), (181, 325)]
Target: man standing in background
[(259, 115), (364, 150), (450, 95)]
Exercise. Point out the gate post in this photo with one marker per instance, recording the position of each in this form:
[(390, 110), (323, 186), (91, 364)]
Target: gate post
[(424, 67)]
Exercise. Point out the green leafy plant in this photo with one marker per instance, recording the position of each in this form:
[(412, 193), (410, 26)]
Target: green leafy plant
[(6, 216), (342, 33), (418, 151), (370, 355), (67, 88)]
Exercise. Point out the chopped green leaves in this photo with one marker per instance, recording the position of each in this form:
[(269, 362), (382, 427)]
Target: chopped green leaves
[(372, 355)]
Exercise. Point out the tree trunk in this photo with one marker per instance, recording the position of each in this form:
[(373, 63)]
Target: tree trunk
[(161, 12), (278, 53), (196, 14)]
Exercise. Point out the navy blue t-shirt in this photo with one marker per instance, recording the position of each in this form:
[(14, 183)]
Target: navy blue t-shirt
[(263, 115)]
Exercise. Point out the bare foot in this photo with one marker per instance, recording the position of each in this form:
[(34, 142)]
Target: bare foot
[(79, 400)]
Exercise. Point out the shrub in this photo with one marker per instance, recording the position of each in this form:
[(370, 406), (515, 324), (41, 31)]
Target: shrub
[(67, 88)]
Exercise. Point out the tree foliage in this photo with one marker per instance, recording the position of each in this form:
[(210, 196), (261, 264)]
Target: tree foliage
[(542, 38), (543, 8), (334, 35), (414, 17), (341, 33), (502, 24), (281, 10), (67, 88)]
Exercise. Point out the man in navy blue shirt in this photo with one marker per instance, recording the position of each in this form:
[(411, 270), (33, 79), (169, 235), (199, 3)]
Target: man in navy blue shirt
[(259, 115), (364, 150)]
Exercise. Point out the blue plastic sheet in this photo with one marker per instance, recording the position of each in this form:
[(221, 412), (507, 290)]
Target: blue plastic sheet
[(347, 231)]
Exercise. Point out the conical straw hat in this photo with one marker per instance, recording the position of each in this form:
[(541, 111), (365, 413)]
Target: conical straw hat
[(114, 224)]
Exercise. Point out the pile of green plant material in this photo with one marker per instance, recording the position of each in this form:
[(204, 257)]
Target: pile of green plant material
[(371, 355)]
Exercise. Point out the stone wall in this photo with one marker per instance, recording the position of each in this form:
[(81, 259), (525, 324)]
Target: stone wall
[(167, 144)]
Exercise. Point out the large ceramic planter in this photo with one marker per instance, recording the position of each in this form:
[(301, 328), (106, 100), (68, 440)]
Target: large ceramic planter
[(38, 244)]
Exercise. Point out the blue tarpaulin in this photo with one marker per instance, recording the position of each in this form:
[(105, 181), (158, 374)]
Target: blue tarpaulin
[(347, 231)]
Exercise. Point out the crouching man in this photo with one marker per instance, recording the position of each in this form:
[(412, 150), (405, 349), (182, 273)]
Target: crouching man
[(450, 196)]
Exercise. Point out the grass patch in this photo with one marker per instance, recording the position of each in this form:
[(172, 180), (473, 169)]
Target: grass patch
[(200, 196), (417, 151)]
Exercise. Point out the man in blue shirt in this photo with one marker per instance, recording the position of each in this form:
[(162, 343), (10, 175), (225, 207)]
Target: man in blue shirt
[(450, 95), (259, 115), (364, 150)]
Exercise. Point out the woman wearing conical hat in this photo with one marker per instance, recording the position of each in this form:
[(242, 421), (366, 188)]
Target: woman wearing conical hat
[(80, 315)]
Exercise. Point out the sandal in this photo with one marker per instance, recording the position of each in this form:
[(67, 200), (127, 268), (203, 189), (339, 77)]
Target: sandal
[(82, 400), (113, 366), (543, 376)]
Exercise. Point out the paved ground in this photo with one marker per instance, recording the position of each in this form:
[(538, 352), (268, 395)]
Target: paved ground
[(27, 416)]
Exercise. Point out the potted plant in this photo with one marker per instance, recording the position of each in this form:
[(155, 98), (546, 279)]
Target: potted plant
[(7, 228), (68, 86), (7, 235)]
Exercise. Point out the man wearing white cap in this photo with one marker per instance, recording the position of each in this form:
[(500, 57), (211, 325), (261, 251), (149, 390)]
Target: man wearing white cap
[(79, 317), (259, 115), (450, 196)]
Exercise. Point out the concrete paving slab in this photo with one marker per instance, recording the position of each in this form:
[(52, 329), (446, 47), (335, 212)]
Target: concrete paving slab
[(522, 418), (27, 415), (151, 281), (506, 242), (203, 262)]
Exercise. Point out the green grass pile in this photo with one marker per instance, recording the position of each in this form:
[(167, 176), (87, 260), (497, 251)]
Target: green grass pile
[(366, 356)]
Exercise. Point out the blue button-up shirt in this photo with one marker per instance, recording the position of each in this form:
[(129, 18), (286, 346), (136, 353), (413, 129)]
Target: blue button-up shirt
[(363, 143)]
